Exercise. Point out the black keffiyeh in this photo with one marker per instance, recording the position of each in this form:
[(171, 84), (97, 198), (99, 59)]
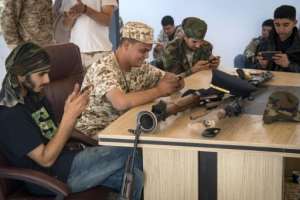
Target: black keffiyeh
[(27, 58)]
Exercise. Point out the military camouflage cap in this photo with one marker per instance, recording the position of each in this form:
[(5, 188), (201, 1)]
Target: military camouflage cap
[(138, 31), (281, 106), (194, 28)]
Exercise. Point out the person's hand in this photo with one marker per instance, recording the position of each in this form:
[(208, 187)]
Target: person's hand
[(214, 62), (263, 62), (72, 15), (170, 83), (79, 8), (76, 103), (281, 59), (201, 65), (159, 46)]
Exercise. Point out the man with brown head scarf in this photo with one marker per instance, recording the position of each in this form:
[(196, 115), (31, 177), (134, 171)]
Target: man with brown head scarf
[(31, 138)]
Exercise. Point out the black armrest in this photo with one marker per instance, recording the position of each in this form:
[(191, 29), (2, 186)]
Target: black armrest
[(79, 136), (35, 177)]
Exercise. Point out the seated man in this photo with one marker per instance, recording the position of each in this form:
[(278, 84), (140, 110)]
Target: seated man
[(122, 80), (248, 59), (191, 53), (30, 138), (285, 39), (166, 35)]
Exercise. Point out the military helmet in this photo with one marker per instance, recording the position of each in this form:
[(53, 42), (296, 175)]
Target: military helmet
[(281, 106)]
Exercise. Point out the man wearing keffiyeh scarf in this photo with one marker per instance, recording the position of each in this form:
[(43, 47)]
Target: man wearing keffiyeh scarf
[(23, 61), (31, 139)]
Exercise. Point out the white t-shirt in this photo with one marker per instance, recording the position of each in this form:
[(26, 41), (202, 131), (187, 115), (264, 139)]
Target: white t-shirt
[(86, 33)]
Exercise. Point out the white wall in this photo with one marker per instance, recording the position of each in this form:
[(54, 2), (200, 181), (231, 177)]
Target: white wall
[(231, 23), (4, 51)]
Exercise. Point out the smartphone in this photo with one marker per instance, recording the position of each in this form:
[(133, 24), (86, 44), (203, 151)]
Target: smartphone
[(213, 59), (267, 55), (86, 88), (179, 77)]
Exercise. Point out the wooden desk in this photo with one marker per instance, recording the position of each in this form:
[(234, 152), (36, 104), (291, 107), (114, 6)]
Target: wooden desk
[(247, 156)]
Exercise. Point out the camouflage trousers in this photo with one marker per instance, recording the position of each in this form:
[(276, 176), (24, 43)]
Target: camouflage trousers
[(89, 58)]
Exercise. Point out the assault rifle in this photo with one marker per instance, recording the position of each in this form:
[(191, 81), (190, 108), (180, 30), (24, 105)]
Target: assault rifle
[(221, 84), (237, 87), (128, 178)]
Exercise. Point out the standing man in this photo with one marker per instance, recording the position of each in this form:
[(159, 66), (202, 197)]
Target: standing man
[(123, 80), (191, 53), (27, 20), (32, 139), (285, 39), (89, 22)]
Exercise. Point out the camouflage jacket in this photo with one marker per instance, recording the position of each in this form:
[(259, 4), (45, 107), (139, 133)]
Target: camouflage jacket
[(164, 40), (106, 75), (251, 49), (175, 59), (27, 20)]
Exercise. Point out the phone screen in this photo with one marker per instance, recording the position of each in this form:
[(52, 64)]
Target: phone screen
[(86, 88)]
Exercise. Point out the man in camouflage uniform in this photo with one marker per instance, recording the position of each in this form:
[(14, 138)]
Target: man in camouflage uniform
[(248, 58), (123, 80), (168, 33), (27, 20), (191, 53)]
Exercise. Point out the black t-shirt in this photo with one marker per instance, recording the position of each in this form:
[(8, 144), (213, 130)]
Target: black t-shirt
[(20, 134), (283, 46)]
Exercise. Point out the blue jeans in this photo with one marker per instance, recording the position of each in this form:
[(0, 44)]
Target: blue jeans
[(241, 61), (104, 166)]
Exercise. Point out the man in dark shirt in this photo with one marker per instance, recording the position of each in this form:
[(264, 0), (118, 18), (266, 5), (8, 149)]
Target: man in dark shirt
[(30, 138), (285, 39)]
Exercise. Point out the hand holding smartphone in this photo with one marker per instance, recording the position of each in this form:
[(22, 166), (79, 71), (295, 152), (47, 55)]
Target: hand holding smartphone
[(88, 87), (213, 59), (268, 55)]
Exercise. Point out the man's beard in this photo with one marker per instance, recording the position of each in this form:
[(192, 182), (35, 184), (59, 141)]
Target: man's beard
[(29, 85)]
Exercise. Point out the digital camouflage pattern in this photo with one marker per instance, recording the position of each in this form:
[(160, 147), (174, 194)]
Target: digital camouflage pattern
[(1, 10), (281, 106), (106, 75), (138, 31), (194, 28), (27, 20), (175, 58), (43, 120)]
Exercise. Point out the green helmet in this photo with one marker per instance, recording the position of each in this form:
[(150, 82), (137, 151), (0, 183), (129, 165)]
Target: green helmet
[(281, 106)]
